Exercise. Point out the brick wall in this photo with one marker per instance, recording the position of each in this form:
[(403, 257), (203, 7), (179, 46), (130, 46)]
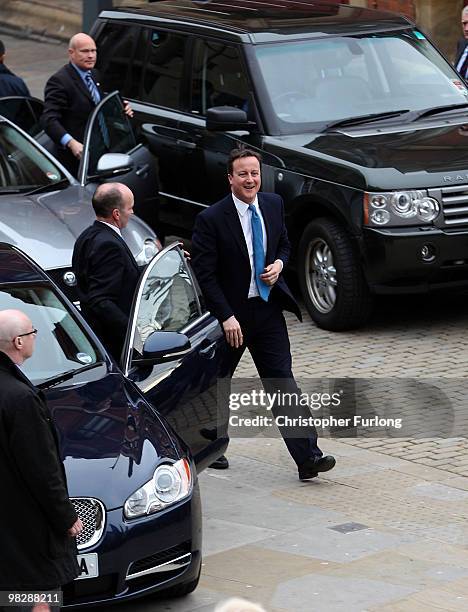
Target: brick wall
[(407, 7)]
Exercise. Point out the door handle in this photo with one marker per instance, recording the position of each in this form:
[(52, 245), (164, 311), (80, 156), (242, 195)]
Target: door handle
[(186, 144), (208, 352), (142, 170)]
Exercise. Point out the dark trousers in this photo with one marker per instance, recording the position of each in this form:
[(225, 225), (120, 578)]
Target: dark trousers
[(266, 336)]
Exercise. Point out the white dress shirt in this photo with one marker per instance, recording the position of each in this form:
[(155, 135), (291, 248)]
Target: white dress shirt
[(114, 227)]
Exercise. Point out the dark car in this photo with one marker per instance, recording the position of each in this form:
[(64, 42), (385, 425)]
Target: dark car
[(132, 438), (358, 117), (44, 209)]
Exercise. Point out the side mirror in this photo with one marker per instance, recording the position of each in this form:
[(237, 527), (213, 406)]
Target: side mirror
[(113, 164), (227, 118), (161, 346)]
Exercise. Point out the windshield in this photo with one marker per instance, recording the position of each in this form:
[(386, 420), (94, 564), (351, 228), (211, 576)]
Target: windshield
[(322, 81), (22, 165), (61, 345)]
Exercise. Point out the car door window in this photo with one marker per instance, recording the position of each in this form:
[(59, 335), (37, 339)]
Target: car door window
[(109, 131), (164, 68), (116, 43), (24, 112), (218, 77), (166, 298)]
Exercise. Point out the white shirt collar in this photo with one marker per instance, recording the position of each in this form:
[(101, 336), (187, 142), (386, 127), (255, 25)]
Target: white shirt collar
[(243, 207), (115, 228)]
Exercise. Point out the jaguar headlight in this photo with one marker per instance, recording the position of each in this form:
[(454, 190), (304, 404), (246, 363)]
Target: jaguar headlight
[(171, 483)]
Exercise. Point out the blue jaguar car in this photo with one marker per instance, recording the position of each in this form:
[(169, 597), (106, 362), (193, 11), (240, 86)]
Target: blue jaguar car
[(131, 434)]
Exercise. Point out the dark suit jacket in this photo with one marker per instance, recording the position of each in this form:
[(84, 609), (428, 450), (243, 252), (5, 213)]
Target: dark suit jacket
[(10, 84), (462, 43), (107, 275), (221, 260), (36, 549), (67, 104)]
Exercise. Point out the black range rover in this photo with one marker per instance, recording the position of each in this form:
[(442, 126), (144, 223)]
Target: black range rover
[(359, 118)]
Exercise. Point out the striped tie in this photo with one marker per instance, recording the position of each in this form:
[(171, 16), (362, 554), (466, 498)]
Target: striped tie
[(93, 90)]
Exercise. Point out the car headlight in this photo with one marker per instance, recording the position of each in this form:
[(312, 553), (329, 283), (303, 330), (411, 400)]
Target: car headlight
[(171, 482), (399, 208), (151, 247)]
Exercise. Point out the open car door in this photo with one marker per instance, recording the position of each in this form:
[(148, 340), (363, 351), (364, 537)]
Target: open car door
[(111, 153), (175, 352)]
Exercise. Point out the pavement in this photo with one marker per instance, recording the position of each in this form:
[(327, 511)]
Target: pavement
[(386, 530)]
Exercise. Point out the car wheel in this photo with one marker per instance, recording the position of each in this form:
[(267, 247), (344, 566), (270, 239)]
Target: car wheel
[(335, 292)]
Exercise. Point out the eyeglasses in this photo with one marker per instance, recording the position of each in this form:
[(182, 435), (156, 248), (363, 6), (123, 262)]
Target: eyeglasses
[(34, 331)]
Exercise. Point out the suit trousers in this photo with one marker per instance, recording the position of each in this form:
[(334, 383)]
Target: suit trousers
[(266, 336)]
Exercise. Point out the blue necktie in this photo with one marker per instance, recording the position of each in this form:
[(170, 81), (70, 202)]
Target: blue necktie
[(93, 90), (463, 63), (258, 253)]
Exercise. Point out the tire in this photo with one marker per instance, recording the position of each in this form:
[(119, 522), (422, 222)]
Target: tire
[(335, 292)]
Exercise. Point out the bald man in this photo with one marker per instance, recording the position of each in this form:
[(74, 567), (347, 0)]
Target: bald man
[(69, 98), (40, 522), (461, 59), (106, 271)]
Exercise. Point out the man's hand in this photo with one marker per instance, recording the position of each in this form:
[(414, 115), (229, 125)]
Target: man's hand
[(75, 147), (233, 332), (271, 274), (127, 108), (76, 528)]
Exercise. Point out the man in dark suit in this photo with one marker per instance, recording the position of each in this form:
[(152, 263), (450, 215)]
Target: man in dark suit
[(10, 84), (40, 522), (106, 271), (461, 59), (239, 248), (69, 98)]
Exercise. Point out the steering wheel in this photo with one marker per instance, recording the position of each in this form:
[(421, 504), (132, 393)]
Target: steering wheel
[(289, 96)]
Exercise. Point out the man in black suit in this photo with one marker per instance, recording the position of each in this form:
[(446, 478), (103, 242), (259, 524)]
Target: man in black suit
[(10, 84), (69, 98), (239, 248), (106, 271), (461, 59), (38, 546)]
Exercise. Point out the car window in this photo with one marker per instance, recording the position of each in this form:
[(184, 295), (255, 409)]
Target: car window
[(22, 165), (164, 67), (61, 345), (115, 50), (24, 112), (351, 76), (111, 132), (166, 301), (218, 77)]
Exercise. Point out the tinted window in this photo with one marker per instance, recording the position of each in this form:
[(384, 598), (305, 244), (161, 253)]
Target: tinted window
[(139, 58), (164, 68), (115, 51), (111, 133), (218, 77), (25, 112), (22, 165), (61, 345), (168, 300)]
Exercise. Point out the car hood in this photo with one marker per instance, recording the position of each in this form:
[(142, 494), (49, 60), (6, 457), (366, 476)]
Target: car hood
[(46, 226), (110, 438), (378, 158)]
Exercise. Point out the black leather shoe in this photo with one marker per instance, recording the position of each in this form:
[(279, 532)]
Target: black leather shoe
[(221, 463), (314, 465)]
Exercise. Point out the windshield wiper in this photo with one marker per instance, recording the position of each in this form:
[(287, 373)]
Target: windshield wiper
[(48, 187), (427, 112), (365, 118), (55, 380)]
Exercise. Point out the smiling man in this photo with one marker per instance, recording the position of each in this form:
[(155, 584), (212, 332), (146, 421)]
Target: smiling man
[(239, 248)]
